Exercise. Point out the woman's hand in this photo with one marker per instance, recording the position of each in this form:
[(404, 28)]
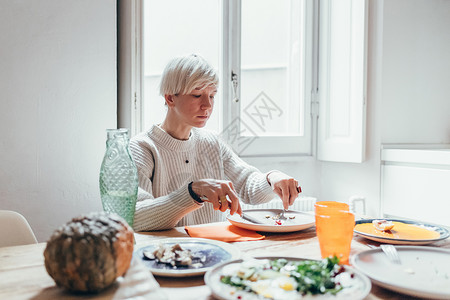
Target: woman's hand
[(220, 193), (285, 187)]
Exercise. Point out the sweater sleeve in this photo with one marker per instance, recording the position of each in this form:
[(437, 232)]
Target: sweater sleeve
[(250, 184), (162, 212)]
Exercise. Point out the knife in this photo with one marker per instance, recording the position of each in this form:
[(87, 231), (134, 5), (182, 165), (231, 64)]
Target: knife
[(251, 218)]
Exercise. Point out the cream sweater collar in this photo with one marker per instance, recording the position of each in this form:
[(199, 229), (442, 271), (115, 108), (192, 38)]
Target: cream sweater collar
[(165, 140)]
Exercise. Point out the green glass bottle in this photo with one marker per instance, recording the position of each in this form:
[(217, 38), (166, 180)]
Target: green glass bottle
[(118, 176)]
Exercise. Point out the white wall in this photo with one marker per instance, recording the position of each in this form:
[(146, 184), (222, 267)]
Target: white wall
[(416, 72), (57, 97)]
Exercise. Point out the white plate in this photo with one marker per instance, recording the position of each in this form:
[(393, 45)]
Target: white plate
[(215, 252), (424, 271), (222, 291), (302, 220), (443, 233)]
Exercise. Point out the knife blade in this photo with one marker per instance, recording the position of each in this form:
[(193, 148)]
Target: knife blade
[(251, 218)]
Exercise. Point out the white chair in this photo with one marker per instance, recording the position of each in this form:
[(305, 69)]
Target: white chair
[(15, 230)]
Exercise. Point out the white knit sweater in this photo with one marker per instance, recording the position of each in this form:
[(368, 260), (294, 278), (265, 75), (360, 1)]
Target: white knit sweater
[(167, 165)]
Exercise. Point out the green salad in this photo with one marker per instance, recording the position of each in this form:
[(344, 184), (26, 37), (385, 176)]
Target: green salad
[(283, 279)]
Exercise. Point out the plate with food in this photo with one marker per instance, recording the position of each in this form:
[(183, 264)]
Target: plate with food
[(182, 257), (400, 232), (270, 220), (423, 271), (284, 278)]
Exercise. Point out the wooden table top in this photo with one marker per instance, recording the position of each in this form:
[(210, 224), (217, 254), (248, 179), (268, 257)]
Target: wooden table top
[(23, 274)]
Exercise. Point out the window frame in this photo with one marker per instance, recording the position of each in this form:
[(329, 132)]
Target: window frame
[(342, 81), (129, 65), (273, 146)]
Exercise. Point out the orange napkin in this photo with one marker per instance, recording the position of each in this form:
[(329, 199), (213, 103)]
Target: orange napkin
[(223, 232)]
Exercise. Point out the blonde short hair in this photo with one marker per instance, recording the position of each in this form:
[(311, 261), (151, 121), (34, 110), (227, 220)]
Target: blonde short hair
[(185, 73)]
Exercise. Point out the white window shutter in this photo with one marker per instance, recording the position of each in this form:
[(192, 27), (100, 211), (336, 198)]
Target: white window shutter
[(342, 77)]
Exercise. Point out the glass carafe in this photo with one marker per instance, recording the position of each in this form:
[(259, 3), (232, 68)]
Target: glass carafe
[(118, 176)]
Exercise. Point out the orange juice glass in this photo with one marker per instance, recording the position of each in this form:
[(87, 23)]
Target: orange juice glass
[(321, 207), (335, 232)]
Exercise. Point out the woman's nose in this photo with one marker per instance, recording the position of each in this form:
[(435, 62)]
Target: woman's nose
[(207, 102)]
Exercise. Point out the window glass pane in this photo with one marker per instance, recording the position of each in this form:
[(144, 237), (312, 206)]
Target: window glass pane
[(173, 28), (272, 51)]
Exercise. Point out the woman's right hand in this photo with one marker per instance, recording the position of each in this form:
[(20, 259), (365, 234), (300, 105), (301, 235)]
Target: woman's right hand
[(220, 193)]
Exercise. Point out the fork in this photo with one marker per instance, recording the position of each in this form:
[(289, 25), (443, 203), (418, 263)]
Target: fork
[(391, 253), (282, 216)]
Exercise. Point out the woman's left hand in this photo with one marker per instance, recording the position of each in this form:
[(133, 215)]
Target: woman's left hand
[(220, 193), (285, 187)]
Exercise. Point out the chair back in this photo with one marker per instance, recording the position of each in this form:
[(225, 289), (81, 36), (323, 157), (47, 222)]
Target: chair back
[(15, 230)]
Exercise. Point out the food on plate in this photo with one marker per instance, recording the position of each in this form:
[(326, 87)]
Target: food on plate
[(89, 252), (277, 218), (286, 280), (400, 230), (174, 255), (383, 225)]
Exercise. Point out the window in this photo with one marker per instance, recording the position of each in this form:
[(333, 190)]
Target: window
[(269, 72), (263, 100), (274, 78)]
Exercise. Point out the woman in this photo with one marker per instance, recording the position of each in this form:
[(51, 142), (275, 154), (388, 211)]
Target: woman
[(187, 175)]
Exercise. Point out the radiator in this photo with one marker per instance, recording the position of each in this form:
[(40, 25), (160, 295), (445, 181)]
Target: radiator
[(356, 203), (414, 182), (301, 204)]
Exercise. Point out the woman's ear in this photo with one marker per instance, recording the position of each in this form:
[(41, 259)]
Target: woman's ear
[(169, 100)]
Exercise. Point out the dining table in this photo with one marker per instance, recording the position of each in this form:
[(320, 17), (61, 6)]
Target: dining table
[(23, 274)]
